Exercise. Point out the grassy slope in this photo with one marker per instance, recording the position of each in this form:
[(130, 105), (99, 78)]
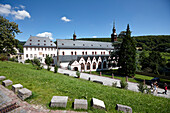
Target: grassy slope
[(46, 84)]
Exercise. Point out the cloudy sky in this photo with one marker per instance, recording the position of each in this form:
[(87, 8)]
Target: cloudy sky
[(58, 19)]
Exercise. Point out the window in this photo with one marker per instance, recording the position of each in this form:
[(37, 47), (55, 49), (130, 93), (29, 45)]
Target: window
[(75, 53), (86, 52), (101, 53), (51, 44), (51, 49), (63, 53), (38, 49), (83, 53), (44, 40), (35, 55), (35, 49), (30, 49), (42, 49), (72, 53), (107, 46), (94, 65), (92, 53), (104, 64), (38, 40), (30, 55), (26, 55), (48, 49), (30, 44), (92, 45), (82, 66), (45, 44), (27, 48), (30, 40), (95, 53), (38, 44), (99, 65), (100, 45), (73, 44), (88, 66), (51, 55), (104, 53), (109, 52), (51, 41), (45, 49), (83, 44), (43, 55), (62, 43)]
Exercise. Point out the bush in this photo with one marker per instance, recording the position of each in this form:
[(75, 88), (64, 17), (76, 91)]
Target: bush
[(114, 84), (55, 69), (123, 84), (28, 61), (13, 59), (3, 57), (36, 62), (78, 74), (141, 87), (48, 68)]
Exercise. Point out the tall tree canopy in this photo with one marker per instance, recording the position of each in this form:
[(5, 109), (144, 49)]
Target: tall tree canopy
[(127, 54), (7, 36)]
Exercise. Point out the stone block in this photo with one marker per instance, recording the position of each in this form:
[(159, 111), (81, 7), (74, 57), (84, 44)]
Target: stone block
[(96, 103), (125, 109), (80, 104), (96, 81), (2, 77), (7, 83), (24, 93), (16, 87), (59, 101)]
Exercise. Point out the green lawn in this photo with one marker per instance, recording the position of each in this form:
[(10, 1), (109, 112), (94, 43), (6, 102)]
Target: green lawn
[(45, 85)]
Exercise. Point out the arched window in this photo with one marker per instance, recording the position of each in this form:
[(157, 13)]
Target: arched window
[(75, 53), (63, 52), (88, 66), (72, 53), (82, 66), (94, 65), (104, 64), (99, 65)]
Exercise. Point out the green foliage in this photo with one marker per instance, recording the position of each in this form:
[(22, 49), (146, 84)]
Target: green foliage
[(13, 59), (28, 61), (45, 85), (114, 84), (141, 87), (3, 57), (48, 61), (7, 36), (124, 84), (78, 74), (55, 69), (127, 55), (36, 62)]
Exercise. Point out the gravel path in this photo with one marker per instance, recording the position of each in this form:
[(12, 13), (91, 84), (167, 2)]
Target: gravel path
[(108, 81)]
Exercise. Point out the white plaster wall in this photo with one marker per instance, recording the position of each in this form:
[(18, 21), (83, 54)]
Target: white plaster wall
[(64, 65), (76, 64), (39, 53), (79, 51)]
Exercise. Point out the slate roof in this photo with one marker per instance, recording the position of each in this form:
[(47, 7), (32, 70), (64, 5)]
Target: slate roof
[(39, 41), (78, 44)]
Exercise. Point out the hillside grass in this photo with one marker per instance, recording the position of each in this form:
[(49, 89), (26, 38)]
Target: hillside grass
[(45, 85)]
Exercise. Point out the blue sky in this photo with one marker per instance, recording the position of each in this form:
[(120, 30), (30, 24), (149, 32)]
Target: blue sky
[(59, 19)]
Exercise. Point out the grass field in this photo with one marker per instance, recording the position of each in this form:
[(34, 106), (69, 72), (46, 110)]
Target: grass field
[(45, 85)]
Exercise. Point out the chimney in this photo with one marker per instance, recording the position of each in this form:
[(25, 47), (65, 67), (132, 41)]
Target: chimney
[(74, 36)]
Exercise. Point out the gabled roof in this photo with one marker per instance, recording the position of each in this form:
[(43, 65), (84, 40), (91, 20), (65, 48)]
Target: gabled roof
[(40, 41), (71, 44)]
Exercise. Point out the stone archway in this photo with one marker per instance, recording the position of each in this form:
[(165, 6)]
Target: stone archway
[(94, 65), (75, 68), (88, 66), (82, 66), (104, 64), (99, 65)]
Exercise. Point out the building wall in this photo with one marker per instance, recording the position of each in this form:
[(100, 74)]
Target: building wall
[(39, 52), (80, 52)]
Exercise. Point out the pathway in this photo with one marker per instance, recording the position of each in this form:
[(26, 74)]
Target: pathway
[(108, 81)]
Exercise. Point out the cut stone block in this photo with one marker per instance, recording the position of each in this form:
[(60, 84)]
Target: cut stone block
[(96, 103), (2, 77), (100, 82), (59, 101), (24, 93), (80, 104), (16, 87), (125, 109), (7, 83)]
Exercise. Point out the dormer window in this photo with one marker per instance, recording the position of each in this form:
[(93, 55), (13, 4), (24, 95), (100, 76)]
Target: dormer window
[(75, 53), (86, 52), (63, 52), (44, 40), (51, 41), (92, 53), (38, 40), (30, 40), (30, 44), (107, 46), (95, 53), (83, 53), (73, 44), (51, 44), (38, 44), (100, 45), (83, 44), (72, 53), (62, 43), (92, 45), (45, 44)]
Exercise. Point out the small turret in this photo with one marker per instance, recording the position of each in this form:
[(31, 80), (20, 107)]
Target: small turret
[(74, 36), (114, 35)]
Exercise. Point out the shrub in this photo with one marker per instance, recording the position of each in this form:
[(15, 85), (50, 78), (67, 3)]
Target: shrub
[(28, 61), (36, 62), (141, 87), (123, 84), (55, 69), (48, 68), (78, 74), (114, 84), (13, 59), (3, 57)]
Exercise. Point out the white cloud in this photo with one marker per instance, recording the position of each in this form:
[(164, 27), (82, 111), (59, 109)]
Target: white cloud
[(23, 7), (94, 36), (19, 14), (65, 19), (5, 9), (45, 34)]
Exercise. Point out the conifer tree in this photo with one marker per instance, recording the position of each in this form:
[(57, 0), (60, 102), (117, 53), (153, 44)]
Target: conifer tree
[(127, 55)]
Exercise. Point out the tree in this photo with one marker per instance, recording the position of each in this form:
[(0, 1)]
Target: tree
[(7, 36), (127, 55), (48, 61), (36, 62)]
